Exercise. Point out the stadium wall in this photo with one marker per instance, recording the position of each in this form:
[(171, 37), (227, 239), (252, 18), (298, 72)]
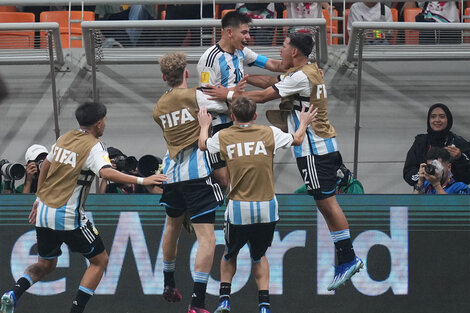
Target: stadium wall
[(416, 248)]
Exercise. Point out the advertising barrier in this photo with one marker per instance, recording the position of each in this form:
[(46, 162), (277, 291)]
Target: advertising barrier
[(416, 248)]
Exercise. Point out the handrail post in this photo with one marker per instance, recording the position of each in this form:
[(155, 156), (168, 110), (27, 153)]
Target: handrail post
[(358, 103), (53, 85)]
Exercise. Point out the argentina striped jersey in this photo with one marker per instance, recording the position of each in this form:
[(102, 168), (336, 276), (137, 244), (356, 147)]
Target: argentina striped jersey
[(251, 212), (218, 67), (298, 84), (72, 214), (190, 163)]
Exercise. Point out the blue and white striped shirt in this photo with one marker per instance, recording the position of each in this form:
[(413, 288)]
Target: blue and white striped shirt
[(190, 163)]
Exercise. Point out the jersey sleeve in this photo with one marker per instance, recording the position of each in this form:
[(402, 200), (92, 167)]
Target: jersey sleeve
[(97, 159), (252, 58), (211, 105), (282, 140), (292, 84), (213, 144)]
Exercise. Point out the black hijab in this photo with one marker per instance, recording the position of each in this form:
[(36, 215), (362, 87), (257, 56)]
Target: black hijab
[(439, 138)]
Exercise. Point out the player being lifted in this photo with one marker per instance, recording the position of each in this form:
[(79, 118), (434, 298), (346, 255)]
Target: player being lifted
[(223, 65), (318, 158), (249, 151)]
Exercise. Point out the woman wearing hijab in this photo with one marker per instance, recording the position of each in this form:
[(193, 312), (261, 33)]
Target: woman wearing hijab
[(438, 135)]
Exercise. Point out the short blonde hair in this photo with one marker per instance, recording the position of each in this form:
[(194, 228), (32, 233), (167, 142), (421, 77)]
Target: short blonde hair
[(172, 66)]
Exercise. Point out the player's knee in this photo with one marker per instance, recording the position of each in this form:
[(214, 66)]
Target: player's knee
[(47, 266)]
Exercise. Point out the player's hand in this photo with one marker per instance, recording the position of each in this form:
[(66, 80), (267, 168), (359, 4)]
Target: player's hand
[(156, 179), (308, 116), (454, 152), (33, 213), (205, 119), (216, 93), (239, 88)]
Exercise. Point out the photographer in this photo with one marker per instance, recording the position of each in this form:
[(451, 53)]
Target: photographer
[(435, 176), (34, 157), (127, 165)]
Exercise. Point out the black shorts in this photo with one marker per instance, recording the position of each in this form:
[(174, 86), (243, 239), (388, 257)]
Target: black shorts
[(258, 236), (215, 159), (200, 197), (319, 173), (85, 240)]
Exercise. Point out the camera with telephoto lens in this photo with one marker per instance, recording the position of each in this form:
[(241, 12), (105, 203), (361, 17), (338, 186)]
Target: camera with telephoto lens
[(125, 164), (430, 169), (11, 171)]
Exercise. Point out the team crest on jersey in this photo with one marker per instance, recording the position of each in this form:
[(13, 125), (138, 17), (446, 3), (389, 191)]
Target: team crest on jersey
[(205, 77), (95, 231)]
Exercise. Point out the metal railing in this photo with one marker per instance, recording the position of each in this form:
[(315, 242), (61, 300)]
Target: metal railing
[(108, 42), (400, 41), (17, 48)]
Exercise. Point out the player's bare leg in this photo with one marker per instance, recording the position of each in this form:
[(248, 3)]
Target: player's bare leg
[(261, 272), (90, 280), (32, 274)]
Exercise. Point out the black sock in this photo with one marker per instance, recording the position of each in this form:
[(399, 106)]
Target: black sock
[(224, 292), (80, 302), (263, 298), (344, 251), (169, 279), (199, 295), (21, 286)]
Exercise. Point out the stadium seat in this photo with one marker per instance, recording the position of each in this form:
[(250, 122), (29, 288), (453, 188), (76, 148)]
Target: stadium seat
[(411, 36), (225, 12), (16, 39), (7, 8), (62, 17), (326, 15), (467, 20)]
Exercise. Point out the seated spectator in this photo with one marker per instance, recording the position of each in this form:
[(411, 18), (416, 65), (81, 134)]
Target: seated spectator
[(261, 10), (133, 36), (305, 10), (439, 124), (34, 157), (371, 12), (437, 12), (435, 176)]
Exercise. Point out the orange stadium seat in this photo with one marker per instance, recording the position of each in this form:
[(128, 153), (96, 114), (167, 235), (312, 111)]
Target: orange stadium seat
[(62, 17), (411, 36), (326, 15), (7, 8), (16, 39)]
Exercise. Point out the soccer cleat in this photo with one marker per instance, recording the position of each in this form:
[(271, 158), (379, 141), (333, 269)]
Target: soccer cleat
[(224, 307), (193, 309), (171, 294), (8, 302), (264, 310), (344, 272)]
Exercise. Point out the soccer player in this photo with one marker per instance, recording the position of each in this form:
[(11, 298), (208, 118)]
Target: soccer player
[(59, 213), (189, 189), (318, 158), (222, 64), (252, 210)]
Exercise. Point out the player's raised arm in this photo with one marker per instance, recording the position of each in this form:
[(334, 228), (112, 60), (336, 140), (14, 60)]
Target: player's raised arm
[(205, 120)]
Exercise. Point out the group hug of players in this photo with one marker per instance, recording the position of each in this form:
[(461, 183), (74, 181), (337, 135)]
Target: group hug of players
[(214, 147)]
